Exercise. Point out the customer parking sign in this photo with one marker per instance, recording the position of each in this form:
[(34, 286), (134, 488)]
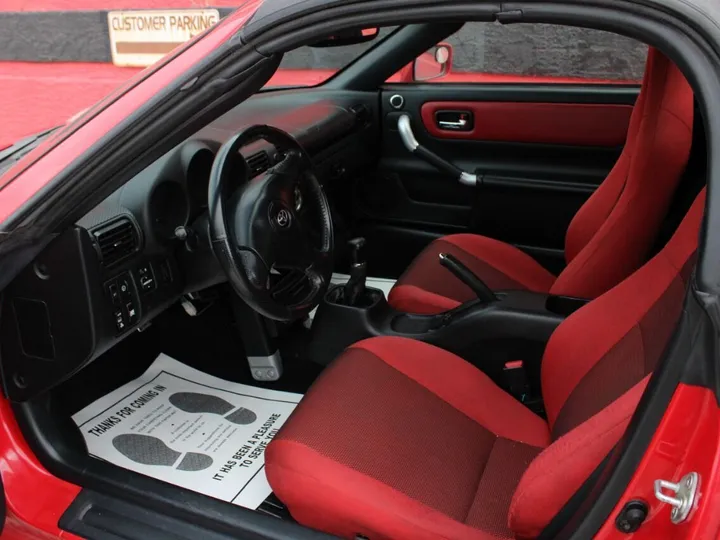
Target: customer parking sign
[(141, 38)]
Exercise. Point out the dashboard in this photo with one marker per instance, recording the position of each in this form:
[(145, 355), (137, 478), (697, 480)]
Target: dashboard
[(147, 244)]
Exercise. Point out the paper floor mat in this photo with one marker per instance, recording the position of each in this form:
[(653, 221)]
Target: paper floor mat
[(190, 429)]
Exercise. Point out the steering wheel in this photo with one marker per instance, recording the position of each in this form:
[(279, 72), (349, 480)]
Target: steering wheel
[(272, 234)]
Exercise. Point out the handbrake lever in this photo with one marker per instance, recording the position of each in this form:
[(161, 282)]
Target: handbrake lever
[(464, 274)]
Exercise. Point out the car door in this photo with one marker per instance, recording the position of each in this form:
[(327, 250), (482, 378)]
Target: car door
[(541, 126)]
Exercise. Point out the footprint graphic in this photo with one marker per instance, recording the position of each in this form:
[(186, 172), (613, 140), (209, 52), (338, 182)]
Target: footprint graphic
[(204, 403), (149, 450)]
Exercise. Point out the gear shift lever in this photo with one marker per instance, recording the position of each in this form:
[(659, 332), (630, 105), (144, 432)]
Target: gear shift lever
[(355, 287)]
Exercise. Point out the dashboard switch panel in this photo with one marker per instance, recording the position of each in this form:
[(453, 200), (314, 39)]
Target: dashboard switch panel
[(124, 304)]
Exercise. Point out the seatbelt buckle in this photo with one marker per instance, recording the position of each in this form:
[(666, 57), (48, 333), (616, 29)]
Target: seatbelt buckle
[(516, 380)]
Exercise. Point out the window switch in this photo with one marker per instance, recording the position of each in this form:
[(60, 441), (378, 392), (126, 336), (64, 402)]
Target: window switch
[(131, 312), (119, 320), (147, 283), (145, 278)]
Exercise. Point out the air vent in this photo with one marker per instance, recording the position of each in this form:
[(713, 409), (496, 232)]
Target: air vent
[(258, 163), (116, 240)]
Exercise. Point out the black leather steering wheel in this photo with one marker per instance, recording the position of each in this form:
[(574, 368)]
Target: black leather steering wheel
[(272, 234)]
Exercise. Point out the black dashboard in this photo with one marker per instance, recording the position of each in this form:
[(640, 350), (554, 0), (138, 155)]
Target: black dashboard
[(146, 245)]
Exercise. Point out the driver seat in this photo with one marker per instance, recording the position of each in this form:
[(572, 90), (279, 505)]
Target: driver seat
[(610, 235), (400, 439)]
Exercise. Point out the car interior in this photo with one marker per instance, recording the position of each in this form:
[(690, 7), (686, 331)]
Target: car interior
[(469, 282)]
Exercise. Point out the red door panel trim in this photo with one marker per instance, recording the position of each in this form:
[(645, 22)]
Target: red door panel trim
[(583, 124)]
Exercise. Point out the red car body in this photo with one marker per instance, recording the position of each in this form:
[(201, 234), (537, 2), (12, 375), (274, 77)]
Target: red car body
[(687, 438)]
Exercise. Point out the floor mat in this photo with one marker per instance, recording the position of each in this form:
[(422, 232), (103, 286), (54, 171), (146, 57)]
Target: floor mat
[(182, 426)]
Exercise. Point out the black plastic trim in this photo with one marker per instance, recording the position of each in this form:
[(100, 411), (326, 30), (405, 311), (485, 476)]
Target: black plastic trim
[(698, 370), (322, 11), (385, 13), (538, 184), (100, 517), (610, 94)]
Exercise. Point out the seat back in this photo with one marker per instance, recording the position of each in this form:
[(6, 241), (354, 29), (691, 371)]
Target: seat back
[(594, 370), (610, 236)]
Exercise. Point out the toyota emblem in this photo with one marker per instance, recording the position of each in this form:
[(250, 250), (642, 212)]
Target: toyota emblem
[(283, 218)]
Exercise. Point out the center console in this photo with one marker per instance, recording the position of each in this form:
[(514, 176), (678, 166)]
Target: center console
[(493, 331), (511, 315)]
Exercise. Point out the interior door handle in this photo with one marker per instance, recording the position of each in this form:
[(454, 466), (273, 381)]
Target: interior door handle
[(454, 120), (411, 143), (459, 124)]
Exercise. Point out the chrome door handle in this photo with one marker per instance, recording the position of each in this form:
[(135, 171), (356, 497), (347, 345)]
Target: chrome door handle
[(454, 120), (453, 125)]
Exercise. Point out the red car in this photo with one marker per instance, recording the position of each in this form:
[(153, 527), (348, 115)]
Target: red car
[(369, 308)]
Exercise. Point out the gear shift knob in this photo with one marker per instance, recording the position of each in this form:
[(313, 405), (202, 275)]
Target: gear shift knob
[(355, 286), (357, 246)]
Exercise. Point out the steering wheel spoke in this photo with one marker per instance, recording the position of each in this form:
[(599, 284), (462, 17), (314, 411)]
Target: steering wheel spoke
[(257, 272), (292, 162)]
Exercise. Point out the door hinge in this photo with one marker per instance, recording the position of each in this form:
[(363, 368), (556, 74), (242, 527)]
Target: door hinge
[(683, 498)]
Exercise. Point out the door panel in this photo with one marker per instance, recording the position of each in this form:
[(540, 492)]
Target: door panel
[(578, 124), (540, 151)]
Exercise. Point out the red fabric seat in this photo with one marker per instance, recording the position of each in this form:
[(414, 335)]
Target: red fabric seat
[(608, 238), (400, 439)]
